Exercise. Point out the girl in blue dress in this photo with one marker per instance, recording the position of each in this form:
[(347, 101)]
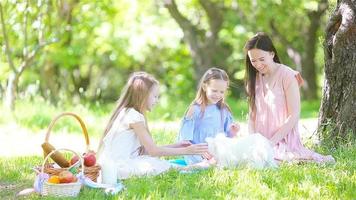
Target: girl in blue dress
[(208, 114)]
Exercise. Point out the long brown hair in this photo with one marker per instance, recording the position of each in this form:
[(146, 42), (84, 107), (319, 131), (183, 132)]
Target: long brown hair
[(263, 42), (134, 95), (201, 99)]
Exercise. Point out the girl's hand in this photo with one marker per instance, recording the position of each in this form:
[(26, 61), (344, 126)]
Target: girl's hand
[(207, 156), (197, 149), (212, 161), (183, 143), (234, 129)]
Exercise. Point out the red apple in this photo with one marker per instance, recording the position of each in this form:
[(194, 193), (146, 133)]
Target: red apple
[(89, 159), (75, 179), (74, 160), (65, 177)]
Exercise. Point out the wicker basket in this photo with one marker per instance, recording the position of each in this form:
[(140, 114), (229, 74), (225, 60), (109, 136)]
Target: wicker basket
[(62, 189), (90, 172)]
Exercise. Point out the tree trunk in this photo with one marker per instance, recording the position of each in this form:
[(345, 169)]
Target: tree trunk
[(11, 90), (81, 81), (205, 47), (309, 65), (337, 117), (49, 82), (1, 91)]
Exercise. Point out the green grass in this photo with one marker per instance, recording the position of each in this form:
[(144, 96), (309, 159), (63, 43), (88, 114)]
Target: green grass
[(37, 115), (307, 181)]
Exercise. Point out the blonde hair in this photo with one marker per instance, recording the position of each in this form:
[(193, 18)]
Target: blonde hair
[(201, 98), (134, 95)]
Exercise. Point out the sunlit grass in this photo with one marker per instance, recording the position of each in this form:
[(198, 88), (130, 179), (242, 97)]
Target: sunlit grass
[(307, 181)]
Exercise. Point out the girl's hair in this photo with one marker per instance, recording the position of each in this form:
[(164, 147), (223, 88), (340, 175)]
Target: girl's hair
[(263, 42), (134, 95), (201, 98)]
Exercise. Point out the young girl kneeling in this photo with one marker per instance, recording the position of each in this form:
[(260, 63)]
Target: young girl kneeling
[(126, 147), (208, 114)]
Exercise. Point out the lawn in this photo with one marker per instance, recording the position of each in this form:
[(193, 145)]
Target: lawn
[(306, 181)]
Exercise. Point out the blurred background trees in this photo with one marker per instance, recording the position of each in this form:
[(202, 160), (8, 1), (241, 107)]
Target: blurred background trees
[(82, 50)]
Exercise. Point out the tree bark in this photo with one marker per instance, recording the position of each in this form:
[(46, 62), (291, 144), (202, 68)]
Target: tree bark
[(205, 47), (337, 116)]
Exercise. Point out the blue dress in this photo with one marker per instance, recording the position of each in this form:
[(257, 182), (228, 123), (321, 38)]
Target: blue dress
[(196, 128)]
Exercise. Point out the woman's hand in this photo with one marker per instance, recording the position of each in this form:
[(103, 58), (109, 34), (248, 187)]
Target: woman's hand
[(197, 149), (274, 140), (234, 129)]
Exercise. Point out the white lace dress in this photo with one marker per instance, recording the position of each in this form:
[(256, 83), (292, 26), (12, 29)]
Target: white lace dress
[(119, 155)]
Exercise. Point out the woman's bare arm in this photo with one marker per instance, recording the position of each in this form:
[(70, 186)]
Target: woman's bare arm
[(293, 106)]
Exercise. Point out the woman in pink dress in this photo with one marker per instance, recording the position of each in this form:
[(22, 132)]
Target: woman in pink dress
[(274, 101)]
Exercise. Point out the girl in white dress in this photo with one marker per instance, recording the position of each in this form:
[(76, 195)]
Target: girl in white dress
[(126, 148)]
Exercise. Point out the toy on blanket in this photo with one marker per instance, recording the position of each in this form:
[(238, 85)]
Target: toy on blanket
[(252, 150)]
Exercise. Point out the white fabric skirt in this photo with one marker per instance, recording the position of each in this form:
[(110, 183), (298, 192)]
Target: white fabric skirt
[(126, 168)]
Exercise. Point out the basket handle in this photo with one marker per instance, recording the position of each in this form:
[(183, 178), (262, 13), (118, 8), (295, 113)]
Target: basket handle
[(84, 129), (64, 149)]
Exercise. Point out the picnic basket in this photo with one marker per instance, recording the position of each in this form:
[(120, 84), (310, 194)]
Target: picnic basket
[(62, 189), (90, 172)]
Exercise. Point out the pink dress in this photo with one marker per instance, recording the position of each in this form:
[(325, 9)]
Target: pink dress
[(271, 113)]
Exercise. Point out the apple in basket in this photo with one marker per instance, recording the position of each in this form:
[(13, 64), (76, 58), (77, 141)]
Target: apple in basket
[(75, 179), (66, 177), (74, 160), (89, 159)]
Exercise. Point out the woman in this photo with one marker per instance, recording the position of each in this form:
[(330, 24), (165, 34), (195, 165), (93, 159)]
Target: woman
[(274, 101)]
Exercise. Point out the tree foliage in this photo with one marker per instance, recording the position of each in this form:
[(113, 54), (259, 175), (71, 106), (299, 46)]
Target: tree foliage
[(99, 43)]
